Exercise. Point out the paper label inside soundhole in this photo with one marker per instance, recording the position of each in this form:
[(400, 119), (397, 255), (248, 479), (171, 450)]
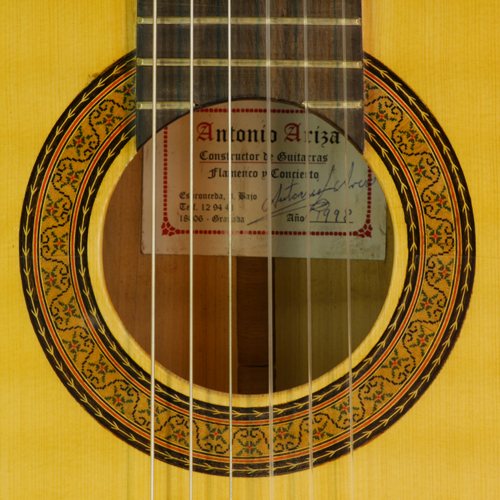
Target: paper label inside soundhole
[(323, 176)]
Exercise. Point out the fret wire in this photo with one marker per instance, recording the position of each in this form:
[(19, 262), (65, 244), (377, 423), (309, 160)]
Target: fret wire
[(146, 105), (335, 104), (163, 105), (251, 63), (293, 21), (153, 257)]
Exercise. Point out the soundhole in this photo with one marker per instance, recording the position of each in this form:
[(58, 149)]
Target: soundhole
[(128, 279)]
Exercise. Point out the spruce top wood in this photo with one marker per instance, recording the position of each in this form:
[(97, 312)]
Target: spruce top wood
[(452, 429)]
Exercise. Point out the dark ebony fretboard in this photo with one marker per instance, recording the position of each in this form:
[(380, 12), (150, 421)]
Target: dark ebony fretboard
[(327, 66)]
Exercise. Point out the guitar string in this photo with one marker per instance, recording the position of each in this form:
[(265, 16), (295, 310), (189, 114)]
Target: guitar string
[(308, 257), (230, 250), (269, 253), (153, 255), (191, 239), (348, 253), (270, 284)]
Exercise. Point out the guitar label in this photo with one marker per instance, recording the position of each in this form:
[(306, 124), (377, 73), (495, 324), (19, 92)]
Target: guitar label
[(294, 176)]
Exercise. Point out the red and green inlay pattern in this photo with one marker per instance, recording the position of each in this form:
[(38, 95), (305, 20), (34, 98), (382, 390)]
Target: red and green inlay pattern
[(115, 390)]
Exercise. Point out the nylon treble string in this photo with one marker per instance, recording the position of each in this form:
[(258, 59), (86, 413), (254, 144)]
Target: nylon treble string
[(191, 239), (348, 252), (153, 253), (269, 252), (230, 252), (308, 257)]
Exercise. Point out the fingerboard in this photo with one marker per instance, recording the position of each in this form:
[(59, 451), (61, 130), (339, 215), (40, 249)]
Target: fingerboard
[(330, 69)]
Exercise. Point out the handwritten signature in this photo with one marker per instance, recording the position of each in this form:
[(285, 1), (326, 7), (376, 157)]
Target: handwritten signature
[(290, 198)]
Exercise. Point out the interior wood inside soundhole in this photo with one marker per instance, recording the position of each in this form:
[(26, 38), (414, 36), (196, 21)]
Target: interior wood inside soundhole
[(128, 279)]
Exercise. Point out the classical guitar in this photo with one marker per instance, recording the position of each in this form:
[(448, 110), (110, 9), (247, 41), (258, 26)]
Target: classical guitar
[(411, 411)]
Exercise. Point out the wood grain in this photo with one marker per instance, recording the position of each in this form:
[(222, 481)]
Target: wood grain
[(128, 281), (447, 446)]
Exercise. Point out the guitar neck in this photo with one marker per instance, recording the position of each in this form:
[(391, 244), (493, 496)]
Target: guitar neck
[(330, 89)]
